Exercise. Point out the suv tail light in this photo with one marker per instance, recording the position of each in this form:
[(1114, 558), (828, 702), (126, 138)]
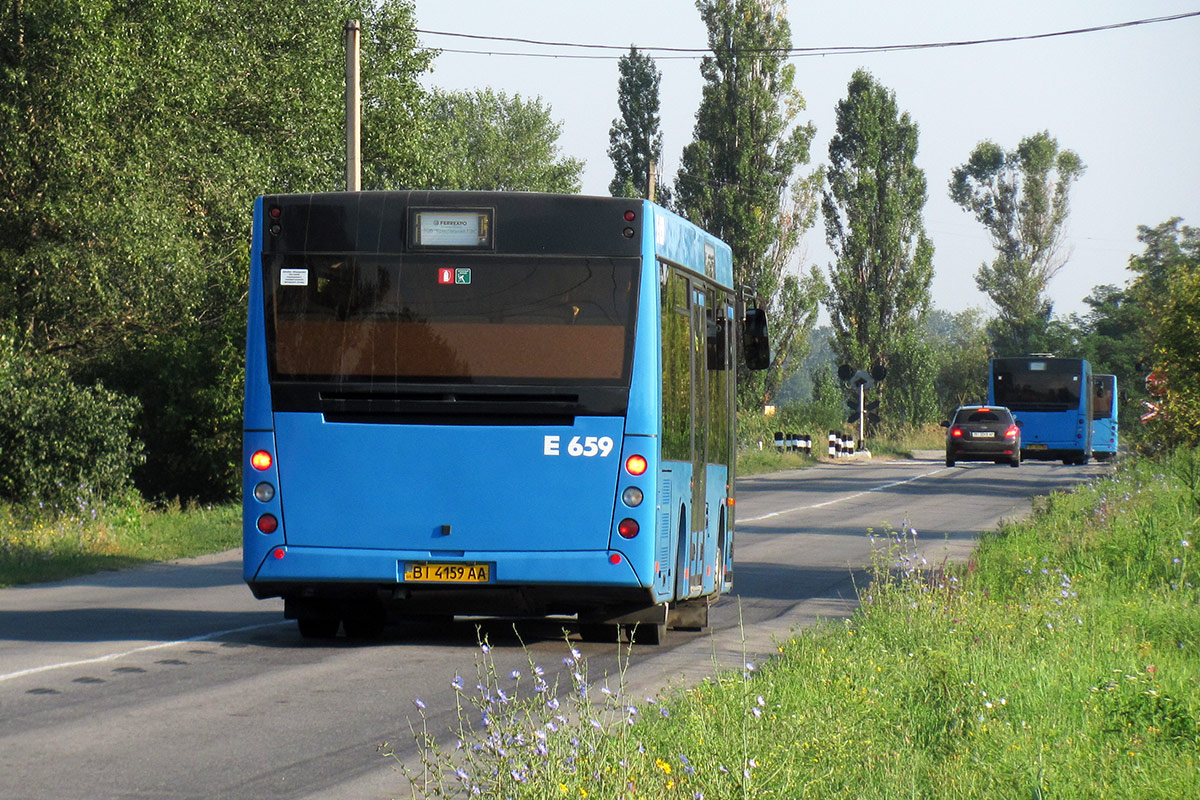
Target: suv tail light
[(1012, 432)]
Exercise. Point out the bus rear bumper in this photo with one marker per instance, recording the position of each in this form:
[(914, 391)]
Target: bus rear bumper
[(522, 584)]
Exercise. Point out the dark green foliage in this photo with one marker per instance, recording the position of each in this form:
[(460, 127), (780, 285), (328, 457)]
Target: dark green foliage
[(133, 140), (190, 386), (61, 443), (1021, 198), (490, 141), (873, 207), (960, 344), (635, 139), (735, 176)]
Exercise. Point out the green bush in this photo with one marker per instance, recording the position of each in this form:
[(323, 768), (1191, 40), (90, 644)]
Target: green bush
[(190, 389), (60, 440)]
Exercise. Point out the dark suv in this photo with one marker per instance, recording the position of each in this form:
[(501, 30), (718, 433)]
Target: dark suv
[(983, 433)]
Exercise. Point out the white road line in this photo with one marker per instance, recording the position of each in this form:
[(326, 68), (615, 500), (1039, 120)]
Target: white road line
[(145, 648), (840, 499)]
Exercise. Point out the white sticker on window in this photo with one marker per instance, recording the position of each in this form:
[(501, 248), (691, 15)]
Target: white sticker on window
[(293, 277)]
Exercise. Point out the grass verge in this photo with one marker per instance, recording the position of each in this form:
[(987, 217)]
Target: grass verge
[(1063, 661), (36, 546)]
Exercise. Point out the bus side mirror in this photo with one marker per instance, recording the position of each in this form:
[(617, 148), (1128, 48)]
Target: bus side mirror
[(755, 345)]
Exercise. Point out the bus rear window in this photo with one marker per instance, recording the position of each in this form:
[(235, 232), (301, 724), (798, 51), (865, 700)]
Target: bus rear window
[(431, 318), (1037, 391)]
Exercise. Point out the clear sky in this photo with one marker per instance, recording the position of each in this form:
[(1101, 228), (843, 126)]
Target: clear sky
[(1126, 100)]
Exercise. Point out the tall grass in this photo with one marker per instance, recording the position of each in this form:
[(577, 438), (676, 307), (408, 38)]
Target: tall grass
[(38, 545), (1062, 661)]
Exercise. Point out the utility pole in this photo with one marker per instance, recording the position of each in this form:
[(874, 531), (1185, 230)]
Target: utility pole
[(650, 182), (353, 109)]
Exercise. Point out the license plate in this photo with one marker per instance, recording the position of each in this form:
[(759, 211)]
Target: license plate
[(983, 435), (1035, 447), (419, 572)]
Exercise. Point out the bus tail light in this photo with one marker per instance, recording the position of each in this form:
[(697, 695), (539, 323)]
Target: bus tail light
[(636, 465), (261, 460), (628, 528), (267, 523)]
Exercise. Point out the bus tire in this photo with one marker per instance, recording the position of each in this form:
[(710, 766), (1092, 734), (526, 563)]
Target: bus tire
[(364, 621), (648, 633), (318, 627), (599, 632)]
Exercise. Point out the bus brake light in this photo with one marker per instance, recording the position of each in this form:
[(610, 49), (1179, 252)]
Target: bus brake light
[(267, 523), (636, 465), (261, 460), (628, 528)]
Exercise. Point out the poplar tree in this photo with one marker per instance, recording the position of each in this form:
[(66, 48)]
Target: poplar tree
[(1021, 197), (735, 177), (879, 293), (635, 139)]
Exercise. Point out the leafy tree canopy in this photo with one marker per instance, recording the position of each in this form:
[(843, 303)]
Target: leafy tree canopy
[(489, 141), (635, 139), (1021, 197), (735, 177), (873, 206), (133, 140)]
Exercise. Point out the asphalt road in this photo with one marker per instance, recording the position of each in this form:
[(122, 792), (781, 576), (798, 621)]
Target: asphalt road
[(171, 681)]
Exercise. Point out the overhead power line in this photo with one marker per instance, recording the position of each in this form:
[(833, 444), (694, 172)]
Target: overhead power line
[(789, 52)]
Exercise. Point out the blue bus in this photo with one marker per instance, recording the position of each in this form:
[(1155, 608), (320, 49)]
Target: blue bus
[(490, 403), (1104, 417), (1051, 399)]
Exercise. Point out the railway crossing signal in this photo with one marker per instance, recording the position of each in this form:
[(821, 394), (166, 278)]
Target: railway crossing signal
[(860, 381)]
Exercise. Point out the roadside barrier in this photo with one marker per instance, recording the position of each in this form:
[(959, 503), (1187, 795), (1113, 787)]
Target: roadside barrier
[(838, 445)]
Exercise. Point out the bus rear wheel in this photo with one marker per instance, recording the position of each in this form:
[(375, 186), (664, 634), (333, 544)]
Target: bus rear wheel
[(365, 621), (318, 627), (600, 632), (648, 633)]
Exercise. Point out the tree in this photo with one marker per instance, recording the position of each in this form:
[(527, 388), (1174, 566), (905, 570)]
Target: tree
[(1177, 360), (1167, 286), (635, 140), (133, 140), (735, 176), (1021, 197), (490, 141), (962, 351), (879, 284)]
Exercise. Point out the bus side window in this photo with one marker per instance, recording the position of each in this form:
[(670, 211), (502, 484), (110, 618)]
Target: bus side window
[(757, 348), (717, 335)]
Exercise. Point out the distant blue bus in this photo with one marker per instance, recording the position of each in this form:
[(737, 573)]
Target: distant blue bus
[(1052, 400), (490, 404), (1104, 417)]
